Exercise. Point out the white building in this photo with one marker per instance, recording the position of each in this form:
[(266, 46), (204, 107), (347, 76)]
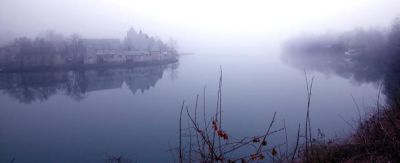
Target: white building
[(110, 51), (101, 50)]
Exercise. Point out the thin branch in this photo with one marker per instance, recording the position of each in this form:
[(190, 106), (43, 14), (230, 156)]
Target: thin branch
[(265, 136), (180, 135)]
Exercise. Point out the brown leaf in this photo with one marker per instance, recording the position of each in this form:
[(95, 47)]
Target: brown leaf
[(261, 157), (274, 152), (253, 157)]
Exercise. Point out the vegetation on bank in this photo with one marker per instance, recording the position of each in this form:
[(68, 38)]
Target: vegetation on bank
[(375, 139), (51, 49), (366, 56), (379, 44)]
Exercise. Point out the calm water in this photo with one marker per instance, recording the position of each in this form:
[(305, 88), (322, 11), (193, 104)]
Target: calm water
[(87, 116)]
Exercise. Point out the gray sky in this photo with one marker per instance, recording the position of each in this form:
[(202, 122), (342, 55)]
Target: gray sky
[(193, 22)]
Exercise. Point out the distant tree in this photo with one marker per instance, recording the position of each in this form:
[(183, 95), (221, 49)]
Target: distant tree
[(56, 40), (172, 46), (142, 41), (51, 36), (24, 45), (394, 41), (394, 35), (75, 49)]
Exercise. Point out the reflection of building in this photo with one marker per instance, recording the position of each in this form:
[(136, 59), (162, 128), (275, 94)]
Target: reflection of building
[(143, 79), (32, 86), (101, 80)]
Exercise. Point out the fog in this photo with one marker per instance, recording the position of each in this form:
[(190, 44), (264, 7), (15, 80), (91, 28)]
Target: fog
[(195, 24), (99, 80)]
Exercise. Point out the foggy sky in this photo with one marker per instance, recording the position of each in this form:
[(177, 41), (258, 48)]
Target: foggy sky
[(192, 22)]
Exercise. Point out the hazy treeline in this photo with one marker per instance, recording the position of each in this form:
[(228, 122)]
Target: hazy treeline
[(51, 48), (142, 41), (373, 43), (43, 49), (361, 55)]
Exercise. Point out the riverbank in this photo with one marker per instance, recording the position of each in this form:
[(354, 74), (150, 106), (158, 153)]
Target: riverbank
[(376, 139), (87, 66)]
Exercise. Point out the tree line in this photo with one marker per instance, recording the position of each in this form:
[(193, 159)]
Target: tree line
[(374, 43), (50, 48)]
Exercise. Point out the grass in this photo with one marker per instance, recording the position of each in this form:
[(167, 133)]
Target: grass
[(376, 139)]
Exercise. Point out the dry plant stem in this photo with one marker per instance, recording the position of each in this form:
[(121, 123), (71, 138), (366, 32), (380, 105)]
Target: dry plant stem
[(308, 110), (222, 151), (203, 136), (180, 135), (204, 108), (306, 126), (286, 139), (297, 144), (204, 119), (195, 109), (190, 143), (218, 114), (359, 121), (358, 108), (171, 150), (219, 108), (266, 134), (308, 123), (379, 96), (200, 148)]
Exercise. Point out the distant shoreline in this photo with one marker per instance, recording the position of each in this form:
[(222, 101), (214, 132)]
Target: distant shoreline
[(86, 66)]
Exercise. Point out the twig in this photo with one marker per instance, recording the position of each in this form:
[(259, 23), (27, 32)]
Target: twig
[(203, 136), (265, 136)]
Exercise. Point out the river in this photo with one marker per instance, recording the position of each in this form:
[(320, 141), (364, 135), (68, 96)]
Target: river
[(91, 115)]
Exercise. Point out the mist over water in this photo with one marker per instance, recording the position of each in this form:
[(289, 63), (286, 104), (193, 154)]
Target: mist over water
[(90, 114), (113, 119)]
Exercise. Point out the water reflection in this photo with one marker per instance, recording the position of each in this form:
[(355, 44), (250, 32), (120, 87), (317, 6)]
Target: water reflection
[(28, 87), (358, 69)]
